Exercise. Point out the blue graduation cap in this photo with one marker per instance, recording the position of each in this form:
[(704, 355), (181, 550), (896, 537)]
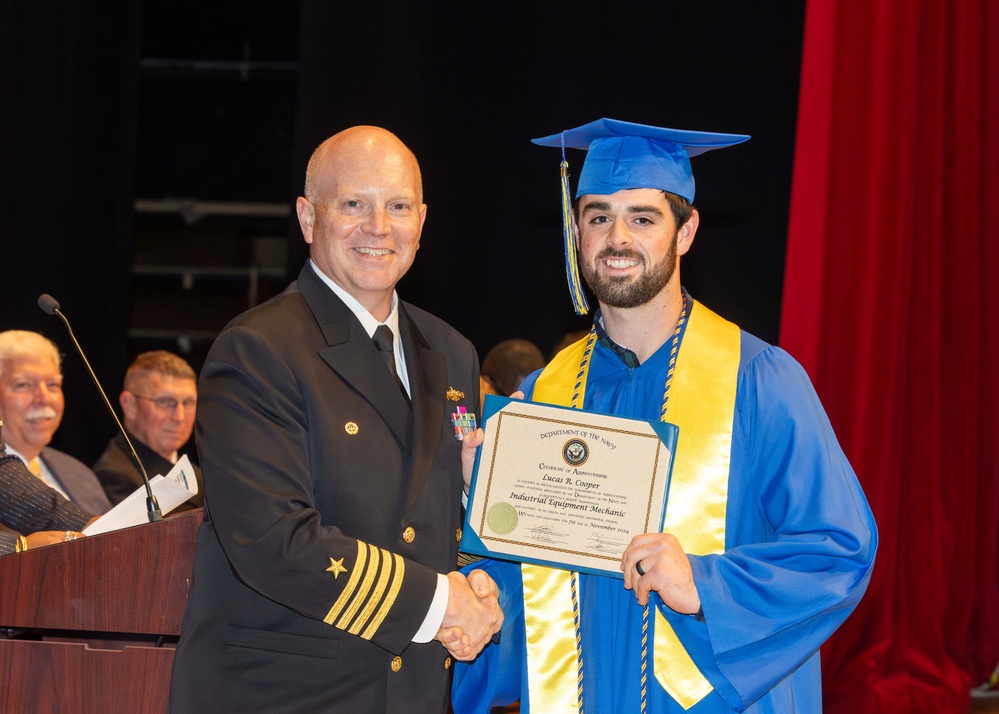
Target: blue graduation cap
[(624, 155)]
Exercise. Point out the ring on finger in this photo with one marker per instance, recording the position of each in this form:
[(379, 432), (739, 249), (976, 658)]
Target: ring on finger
[(639, 568)]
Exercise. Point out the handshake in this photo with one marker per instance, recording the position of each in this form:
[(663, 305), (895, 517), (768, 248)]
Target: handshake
[(473, 614)]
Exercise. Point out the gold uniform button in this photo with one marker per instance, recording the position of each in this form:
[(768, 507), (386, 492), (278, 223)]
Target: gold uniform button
[(409, 535), (447, 663), (350, 427), (396, 663), (457, 535)]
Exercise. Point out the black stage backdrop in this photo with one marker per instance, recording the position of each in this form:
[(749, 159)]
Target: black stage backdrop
[(466, 85)]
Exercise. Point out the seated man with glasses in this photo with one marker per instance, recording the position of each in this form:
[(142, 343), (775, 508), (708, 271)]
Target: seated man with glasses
[(158, 401)]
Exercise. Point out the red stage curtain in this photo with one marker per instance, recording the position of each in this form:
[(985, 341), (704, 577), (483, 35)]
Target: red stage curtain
[(892, 306)]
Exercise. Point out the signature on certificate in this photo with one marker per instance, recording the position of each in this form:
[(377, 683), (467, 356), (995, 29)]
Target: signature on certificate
[(547, 535), (600, 543)]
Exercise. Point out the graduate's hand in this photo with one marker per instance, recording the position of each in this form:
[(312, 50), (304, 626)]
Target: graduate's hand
[(468, 446), (473, 609), (482, 585), (667, 571)]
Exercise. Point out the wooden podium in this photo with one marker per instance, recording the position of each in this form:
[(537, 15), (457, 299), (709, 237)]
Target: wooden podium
[(100, 618)]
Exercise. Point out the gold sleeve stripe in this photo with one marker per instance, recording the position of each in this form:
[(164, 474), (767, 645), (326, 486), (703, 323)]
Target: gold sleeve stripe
[(363, 590), (393, 593), (376, 595), (351, 586)]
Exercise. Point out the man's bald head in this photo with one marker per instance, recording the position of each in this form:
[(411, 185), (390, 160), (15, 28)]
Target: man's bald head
[(350, 145)]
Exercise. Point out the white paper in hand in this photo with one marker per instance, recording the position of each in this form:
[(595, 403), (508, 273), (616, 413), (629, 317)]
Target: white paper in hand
[(170, 491)]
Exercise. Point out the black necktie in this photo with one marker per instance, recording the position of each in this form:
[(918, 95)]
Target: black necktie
[(385, 342)]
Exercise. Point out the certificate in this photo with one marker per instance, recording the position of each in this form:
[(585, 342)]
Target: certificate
[(170, 491), (564, 487)]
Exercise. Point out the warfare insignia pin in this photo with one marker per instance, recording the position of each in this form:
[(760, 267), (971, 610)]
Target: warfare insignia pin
[(454, 395)]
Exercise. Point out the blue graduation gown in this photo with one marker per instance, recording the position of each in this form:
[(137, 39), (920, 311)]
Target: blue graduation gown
[(799, 549)]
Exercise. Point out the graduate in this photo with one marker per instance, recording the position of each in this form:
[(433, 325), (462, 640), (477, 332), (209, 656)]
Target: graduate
[(768, 543)]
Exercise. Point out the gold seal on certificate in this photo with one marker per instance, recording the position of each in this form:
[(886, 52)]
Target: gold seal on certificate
[(502, 518), (564, 487)]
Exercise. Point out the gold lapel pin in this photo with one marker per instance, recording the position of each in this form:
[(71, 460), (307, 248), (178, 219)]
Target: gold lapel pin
[(454, 395)]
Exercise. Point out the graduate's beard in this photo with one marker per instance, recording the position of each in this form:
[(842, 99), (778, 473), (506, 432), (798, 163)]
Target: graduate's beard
[(622, 292)]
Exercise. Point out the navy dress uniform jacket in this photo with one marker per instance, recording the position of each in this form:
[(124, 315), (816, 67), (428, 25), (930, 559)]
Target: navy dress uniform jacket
[(331, 507)]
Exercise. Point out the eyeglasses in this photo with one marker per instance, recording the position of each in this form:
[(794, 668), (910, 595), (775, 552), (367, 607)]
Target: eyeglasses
[(169, 404)]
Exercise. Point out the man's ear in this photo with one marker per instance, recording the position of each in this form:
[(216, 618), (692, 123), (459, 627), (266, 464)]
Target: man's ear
[(423, 220), (128, 407), (685, 236), (306, 217)]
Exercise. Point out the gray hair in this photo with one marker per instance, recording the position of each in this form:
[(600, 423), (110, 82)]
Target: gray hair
[(22, 344)]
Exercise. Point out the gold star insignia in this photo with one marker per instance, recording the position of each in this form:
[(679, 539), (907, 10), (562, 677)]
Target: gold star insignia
[(454, 395), (336, 567)]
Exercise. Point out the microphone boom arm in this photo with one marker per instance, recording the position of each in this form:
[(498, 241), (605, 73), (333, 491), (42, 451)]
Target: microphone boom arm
[(49, 305)]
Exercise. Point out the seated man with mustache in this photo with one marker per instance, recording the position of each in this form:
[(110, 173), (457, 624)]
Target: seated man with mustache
[(31, 405)]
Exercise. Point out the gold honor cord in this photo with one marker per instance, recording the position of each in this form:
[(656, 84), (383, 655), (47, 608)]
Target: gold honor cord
[(702, 401)]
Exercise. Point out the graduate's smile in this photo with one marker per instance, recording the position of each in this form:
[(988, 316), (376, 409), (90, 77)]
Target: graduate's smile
[(617, 263)]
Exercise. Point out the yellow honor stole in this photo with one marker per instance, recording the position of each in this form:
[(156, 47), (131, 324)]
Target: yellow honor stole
[(702, 405)]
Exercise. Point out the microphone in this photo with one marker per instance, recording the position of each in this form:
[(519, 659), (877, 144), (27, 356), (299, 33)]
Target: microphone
[(51, 307)]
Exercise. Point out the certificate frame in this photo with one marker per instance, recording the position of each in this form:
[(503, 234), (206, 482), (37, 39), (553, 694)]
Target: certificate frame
[(548, 488)]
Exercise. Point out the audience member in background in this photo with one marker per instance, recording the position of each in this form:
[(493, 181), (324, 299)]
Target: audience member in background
[(31, 405), (485, 387), (158, 401), (31, 513), (507, 364)]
